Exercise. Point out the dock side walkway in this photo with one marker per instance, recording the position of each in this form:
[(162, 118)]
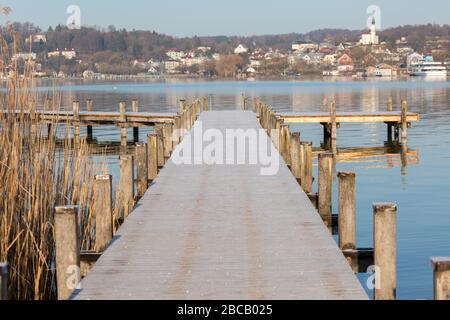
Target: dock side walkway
[(222, 232)]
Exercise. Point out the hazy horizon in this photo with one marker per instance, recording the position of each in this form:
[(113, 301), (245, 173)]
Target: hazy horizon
[(232, 18)]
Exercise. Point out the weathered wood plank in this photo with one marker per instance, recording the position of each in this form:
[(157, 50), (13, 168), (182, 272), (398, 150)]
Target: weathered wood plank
[(341, 117)]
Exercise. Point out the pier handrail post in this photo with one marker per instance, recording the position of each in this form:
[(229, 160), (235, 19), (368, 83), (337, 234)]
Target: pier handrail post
[(135, 108), (333, 121), (385, 250), (3, 281), (404, 121), (245, 103), (126, 183), (295, 155), (441, 277), (67, 258), (141, 169), (152, 157), (325, 186), (347, 210), (102, 211)]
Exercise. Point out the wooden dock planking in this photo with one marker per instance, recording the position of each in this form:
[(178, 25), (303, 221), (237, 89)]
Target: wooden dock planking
[(96, 118), (222, 232), (342, 117)]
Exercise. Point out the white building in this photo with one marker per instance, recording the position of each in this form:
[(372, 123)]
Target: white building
[(240, 49), (372, 37), (67, 54), (175, 54), (302, 47), (24, 56)]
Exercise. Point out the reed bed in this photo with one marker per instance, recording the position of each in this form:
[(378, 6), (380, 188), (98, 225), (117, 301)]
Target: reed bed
[(37, 173)]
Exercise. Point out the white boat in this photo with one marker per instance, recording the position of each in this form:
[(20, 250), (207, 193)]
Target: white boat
[(428, 69)]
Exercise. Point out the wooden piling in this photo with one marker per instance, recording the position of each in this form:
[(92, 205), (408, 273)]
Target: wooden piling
[(67, 258), (182, 105), (205, 104), (123, 120), (441, 277), (3, 281), (306, 166), (347, 210), (160, 145), (135, 108), (76, 119), (168, 141), (176, 130), (245, 103), (285, 143), (152, 157), (102, 211), (126, 184), (295, 156), (89, 107), (389, 125), (385, 250), (141, 169), (333, 121), (325, 183), (404, 121)]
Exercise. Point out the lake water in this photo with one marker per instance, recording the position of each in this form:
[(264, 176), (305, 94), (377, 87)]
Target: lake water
[(420, 184)]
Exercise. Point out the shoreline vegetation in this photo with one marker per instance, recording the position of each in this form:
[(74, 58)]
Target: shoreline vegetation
[(42, 166)]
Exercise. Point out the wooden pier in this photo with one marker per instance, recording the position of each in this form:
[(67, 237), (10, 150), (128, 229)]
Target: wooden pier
[(222, 232)]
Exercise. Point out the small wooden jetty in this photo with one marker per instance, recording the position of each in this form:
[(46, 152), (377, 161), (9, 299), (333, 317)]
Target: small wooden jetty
[(223, 232)]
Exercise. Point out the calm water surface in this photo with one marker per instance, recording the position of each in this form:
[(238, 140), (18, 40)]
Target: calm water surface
[(420, 184)]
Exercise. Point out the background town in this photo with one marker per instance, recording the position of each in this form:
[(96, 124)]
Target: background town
[(107, 53)]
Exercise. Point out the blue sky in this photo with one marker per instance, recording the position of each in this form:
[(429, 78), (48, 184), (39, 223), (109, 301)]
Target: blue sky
[(229, 17)]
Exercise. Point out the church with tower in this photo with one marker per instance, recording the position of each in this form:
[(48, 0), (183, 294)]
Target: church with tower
[(372, 37)]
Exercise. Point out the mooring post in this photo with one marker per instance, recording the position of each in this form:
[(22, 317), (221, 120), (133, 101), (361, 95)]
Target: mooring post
[(306, 166), (76, 120), (295, 156), (152, 157), (385, 250), (441, 277), (102, 211), (347, 210), (160, 144), (123, 121), (89, 107), (404, 121), (67, 258), (126, 184), (141, 169), (135, 108), (325, 183), (3, 281)]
